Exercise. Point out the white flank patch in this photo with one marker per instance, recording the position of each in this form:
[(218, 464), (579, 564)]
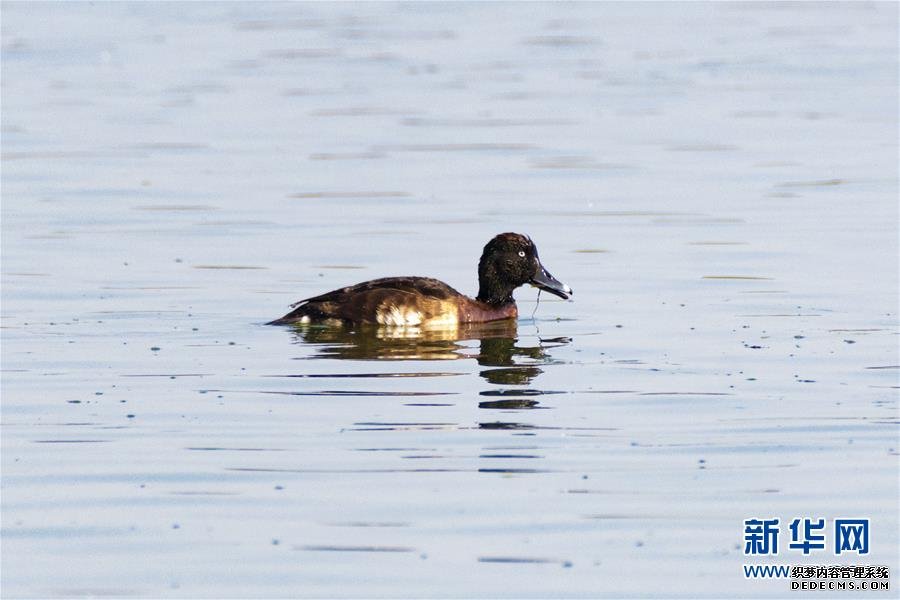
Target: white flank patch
[(398, 316), (446, 320)]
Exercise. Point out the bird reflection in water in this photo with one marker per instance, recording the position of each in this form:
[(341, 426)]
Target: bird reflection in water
[(369, 342), (498, 347), (507, 360)]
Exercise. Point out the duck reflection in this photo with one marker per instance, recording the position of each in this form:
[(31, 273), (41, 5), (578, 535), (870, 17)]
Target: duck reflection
[(499, 346), (512, 362), (372, 342), (509, 363)]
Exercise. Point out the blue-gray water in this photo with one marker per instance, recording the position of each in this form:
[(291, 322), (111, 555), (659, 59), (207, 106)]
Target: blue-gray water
[(717, 182)]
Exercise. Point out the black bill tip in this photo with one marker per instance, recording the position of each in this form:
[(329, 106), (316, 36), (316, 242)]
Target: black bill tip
[(547, 282)]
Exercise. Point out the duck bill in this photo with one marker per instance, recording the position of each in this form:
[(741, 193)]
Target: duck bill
[(547, 282)]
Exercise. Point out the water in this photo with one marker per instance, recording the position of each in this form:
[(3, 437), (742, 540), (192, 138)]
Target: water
[(717, 182)]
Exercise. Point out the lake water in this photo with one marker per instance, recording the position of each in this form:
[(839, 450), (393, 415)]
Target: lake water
[(717, 182)]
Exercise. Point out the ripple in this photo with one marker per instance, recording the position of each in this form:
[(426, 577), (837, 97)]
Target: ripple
[(350, 393), (330, 548), (350, 195), (369, 375), (509, 404), (523, 560)]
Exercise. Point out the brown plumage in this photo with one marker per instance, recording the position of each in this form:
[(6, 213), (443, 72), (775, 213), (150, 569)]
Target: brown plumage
[(509, 260)]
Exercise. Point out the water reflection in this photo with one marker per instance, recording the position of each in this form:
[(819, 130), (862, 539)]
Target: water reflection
[(498, 346), (511, 361), (511, 376)]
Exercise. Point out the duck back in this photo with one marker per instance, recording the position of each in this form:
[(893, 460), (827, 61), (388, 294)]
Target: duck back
[(386, 301)]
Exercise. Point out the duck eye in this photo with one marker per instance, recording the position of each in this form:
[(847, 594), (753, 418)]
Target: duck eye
[(522, 253)]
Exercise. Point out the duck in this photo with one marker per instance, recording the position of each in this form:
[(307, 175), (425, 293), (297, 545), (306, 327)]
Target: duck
[(509, 260)]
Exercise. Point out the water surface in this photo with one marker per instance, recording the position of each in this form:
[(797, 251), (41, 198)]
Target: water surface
[(717, 182)]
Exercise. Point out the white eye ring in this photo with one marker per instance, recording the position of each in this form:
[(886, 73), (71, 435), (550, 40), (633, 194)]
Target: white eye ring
[(522, 253)]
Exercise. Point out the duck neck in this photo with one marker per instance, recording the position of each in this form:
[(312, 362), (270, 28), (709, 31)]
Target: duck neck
[(490, 289)]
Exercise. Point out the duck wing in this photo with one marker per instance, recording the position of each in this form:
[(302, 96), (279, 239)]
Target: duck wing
[(364, 302)]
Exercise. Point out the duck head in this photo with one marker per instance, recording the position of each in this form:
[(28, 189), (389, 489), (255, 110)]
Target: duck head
[(511, 260)]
